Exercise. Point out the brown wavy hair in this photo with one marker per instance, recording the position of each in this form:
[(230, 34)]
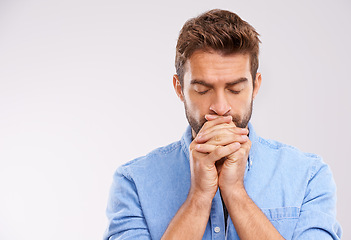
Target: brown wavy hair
[(220, 31)]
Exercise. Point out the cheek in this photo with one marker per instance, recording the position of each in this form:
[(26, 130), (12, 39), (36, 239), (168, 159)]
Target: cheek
[(240, 104), (196, 106)]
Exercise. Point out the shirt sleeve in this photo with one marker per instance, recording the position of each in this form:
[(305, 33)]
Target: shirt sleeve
[(124, 213), (318, 211)]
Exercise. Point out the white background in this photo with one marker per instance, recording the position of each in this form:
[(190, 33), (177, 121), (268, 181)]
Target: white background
[(87, 85)]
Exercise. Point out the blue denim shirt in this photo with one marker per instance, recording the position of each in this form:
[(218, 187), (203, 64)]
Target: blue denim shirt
[(295, 190)]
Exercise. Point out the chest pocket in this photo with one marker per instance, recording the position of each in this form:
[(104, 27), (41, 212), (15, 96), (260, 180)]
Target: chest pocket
[(284, 219)]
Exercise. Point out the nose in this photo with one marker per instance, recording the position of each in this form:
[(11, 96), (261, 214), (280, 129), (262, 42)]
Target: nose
[(220, 105)]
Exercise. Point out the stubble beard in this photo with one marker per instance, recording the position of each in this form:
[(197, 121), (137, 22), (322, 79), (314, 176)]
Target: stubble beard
[(239, 121)]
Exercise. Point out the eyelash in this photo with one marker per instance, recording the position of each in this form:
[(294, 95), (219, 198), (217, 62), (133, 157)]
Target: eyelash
[(203, 92), (234, 92)]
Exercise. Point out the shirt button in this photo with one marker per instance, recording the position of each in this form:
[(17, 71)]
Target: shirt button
[(217, 229)]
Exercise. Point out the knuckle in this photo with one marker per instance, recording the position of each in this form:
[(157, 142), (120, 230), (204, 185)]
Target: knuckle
[(232, 130), (235, 146), (232, 146), (192, 146), (193, 155), (218, 151), (241, 154), (217, 138)]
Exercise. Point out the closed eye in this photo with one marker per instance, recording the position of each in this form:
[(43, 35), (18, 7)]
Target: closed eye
[(202, 92), (233, 91)]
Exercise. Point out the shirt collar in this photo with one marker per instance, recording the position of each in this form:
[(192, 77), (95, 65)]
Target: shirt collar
[(254, 144), (186, 140)]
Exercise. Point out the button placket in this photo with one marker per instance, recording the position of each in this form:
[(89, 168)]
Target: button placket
[(217, 218)]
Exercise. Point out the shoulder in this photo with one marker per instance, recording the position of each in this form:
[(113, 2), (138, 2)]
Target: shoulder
[(274, 153), (285, 149), (153, 161), (291, 157)]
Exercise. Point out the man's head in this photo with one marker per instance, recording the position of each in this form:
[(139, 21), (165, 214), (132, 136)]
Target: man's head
[(216, 64), (220, 31)]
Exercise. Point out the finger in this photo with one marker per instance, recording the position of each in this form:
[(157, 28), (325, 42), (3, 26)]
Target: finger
[(217, 121), (223, 138), (211, 117), (223, 151), (241, 154), (223, 135), (205, 148), (221, 122), (231, 127), (200, 136)]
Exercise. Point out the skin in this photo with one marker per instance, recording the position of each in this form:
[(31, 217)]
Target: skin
[(217, 94)]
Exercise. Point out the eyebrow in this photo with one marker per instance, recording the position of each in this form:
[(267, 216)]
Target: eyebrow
[(201, 82)]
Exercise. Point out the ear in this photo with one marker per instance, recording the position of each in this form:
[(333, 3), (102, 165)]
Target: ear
[(178, 87), (258, 81)]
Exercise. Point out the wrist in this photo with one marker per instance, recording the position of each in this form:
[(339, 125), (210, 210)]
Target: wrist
[(199, 204), (234, 194)]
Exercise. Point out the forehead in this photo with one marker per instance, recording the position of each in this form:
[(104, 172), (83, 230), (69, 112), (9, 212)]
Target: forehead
[(215, 67)]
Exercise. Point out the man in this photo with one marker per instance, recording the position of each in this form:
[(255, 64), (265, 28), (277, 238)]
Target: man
[(221, 180)]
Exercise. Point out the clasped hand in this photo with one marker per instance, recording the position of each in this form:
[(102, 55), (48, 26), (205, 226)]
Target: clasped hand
[(218, 157)]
